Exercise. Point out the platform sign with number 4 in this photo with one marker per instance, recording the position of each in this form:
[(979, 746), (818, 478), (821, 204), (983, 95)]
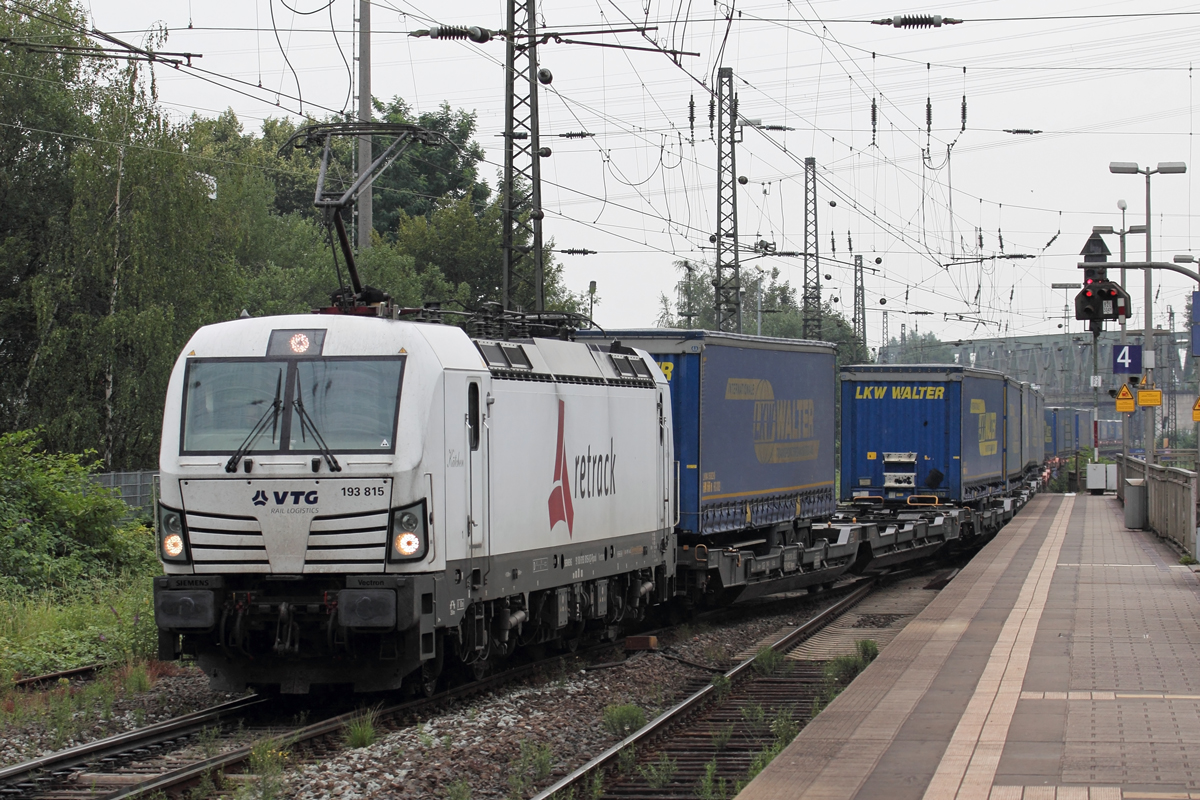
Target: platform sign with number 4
[(1127, 359)]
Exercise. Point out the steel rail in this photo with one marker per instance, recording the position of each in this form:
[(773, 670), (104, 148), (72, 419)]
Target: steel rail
[(194, 772), (77, 672), (67, 760), (674, 715)]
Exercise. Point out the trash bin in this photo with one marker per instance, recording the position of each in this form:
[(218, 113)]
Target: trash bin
[(1135, 503)]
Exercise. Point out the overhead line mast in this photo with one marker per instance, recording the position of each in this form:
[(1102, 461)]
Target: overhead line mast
[(366, 217), (727, 282), (812, 266), (522, 150)]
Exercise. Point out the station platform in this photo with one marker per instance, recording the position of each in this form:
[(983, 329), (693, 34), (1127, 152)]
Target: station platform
[(1062, 663)]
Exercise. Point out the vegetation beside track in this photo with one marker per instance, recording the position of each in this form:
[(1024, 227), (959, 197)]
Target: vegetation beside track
[(74, 574)]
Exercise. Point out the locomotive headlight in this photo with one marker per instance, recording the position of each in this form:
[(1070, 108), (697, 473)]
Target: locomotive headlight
[(407, 544), (409, 540), (172, 535), (173, 545)]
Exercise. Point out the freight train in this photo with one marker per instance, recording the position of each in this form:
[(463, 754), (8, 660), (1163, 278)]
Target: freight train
[(357, 500)]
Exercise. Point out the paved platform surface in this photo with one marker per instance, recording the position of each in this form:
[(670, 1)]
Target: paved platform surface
[(1063, 663)]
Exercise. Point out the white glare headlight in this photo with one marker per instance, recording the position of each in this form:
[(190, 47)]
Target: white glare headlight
[(408, 534), (408, 544)]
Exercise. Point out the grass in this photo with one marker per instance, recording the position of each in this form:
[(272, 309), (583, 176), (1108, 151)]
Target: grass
[(531, 766), (710, 786), (767, 661), (57, 629), (722, 685), (721, 736), (627, 760), (267, 760), (68, 709), (360, 731), (459, 790), (842, 670), (659, 773), (623, 720), (1187, 560)]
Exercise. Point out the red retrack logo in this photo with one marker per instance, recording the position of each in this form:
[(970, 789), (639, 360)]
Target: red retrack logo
[(560, 492)]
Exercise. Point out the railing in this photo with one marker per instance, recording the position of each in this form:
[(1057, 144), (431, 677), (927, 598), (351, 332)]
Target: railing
[(1172, 510), (137, 489)]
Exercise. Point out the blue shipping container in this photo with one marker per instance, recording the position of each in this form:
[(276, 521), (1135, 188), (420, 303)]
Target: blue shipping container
[(920, 430), (754, 425)]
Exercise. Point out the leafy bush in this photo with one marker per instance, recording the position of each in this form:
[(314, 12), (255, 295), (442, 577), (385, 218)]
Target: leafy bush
[(57, 629), (57, 526), (623, 720)]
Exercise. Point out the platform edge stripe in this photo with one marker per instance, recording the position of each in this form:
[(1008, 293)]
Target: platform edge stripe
[(969, 765), (816, 762)]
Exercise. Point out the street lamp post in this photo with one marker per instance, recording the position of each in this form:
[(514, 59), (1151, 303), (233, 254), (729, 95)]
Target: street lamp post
[(1190, 259), (1164, 168), (1121, 204)]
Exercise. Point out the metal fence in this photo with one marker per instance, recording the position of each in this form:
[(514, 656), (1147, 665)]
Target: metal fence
[(1174, 494), (137, 489)]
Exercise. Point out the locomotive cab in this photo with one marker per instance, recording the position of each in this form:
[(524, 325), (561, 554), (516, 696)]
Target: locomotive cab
[(348, 500)]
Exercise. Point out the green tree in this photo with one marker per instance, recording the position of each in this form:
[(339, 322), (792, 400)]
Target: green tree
[(782, 315), (43, 110), (919, 348), (424, 177)]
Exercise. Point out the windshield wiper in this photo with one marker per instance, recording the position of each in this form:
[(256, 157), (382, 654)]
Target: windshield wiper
[(307, 424), (273, 413)]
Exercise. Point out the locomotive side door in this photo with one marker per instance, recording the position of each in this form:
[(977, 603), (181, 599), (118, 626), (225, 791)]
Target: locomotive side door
[(475, 420), (465, 523), (664, 464)]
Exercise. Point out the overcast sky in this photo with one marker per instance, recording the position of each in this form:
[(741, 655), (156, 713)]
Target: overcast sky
[(1098, 86)]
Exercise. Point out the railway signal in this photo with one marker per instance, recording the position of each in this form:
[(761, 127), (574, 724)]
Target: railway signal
[(1100, 299)]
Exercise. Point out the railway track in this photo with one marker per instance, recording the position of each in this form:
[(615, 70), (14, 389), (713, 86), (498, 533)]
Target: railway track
[(37, 681), (168, 757), (720, 731)]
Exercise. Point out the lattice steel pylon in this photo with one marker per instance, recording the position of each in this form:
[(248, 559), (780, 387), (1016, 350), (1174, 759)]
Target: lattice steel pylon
[(860, 302), (728, 280), (812, 266), (884, 351), (522, 189)]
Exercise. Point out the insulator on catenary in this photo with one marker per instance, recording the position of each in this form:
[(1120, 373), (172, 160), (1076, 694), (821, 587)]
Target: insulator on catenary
[(964, 114), (928, 116), (475, 34), (832, 244), (874, 118), (692, 116), (917, 21)]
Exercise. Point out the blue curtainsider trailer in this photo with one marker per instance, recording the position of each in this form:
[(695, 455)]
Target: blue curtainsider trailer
[(1061, 441), (923, 430), (754, 425), (754, 428)]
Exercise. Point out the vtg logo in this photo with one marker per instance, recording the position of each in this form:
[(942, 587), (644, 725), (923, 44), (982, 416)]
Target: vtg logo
[(281, 498)]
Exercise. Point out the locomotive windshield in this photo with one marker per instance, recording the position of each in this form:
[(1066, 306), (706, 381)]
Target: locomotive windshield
[(352, 402)]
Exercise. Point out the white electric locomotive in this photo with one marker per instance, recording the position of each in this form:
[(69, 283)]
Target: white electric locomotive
[(350, 500)]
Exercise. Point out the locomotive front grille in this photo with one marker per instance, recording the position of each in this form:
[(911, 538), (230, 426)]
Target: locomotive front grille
[(226, 543), (348, 542)]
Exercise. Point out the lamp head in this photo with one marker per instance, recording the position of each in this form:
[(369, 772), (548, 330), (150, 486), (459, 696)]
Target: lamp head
[(1171, 167), (1122, 205), (1123, 168)]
